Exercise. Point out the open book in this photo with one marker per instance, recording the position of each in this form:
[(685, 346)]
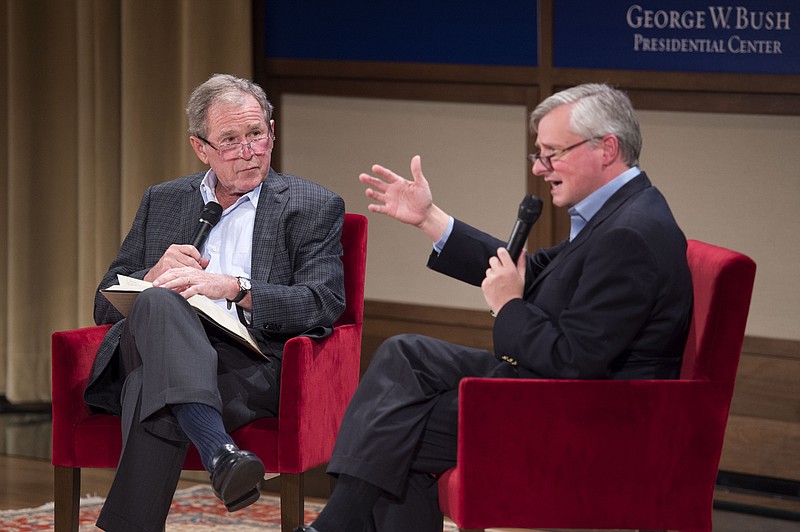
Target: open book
[(123, 294)]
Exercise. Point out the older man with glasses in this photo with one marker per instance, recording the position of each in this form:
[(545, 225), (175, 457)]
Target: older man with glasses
[(613, 301), (272, 260)]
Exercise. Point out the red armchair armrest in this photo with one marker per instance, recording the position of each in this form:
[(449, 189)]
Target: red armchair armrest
[(317, 380)]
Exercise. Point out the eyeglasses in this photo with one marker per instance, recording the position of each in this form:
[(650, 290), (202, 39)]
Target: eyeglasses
[(233, 150), (546, 160)]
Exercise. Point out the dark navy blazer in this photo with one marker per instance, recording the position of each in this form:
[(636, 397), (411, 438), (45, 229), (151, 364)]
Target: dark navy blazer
[(614, 303)]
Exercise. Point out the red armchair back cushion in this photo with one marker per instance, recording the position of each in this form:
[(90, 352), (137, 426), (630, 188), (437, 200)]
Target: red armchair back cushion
[(607, 454)]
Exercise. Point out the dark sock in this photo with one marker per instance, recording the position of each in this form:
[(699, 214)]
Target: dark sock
[(349, 507), (203, 426)]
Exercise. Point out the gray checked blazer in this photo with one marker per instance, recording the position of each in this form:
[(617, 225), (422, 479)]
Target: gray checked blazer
[(296, 270)]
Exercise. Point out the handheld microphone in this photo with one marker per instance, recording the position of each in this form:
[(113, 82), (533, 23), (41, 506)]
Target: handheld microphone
[(211, 214), (529, 211)]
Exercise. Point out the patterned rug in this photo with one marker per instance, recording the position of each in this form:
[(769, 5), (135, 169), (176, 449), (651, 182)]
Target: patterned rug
[(193, 509)]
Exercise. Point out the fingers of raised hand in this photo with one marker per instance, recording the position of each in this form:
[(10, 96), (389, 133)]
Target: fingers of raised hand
[(416, 169)]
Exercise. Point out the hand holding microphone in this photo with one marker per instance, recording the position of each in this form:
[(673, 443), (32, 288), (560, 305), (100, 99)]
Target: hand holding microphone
[(503, 281), (182, 256)]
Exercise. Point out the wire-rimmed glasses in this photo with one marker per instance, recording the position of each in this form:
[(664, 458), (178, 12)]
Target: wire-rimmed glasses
[(232, 150), (546, 160)]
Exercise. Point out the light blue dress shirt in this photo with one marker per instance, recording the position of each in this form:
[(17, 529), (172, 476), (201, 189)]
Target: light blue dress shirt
[(230, 243), (584, 210)]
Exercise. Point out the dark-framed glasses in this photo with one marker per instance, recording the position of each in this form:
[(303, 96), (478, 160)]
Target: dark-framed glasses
[(233, 150), (546, 160)]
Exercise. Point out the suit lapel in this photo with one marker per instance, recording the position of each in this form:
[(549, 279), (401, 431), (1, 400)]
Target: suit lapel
[(634, 186), (631, 188), (559, 250), (271, 204), (191, 206)]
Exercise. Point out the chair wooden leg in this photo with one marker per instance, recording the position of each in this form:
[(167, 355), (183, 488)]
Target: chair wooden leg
[(67, 483), (292, 500)]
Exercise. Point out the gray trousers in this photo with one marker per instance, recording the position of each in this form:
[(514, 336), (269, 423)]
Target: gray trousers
[(400, 429), (167, 356)]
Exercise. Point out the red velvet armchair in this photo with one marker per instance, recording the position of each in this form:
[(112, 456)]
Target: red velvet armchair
[(318, 379), (607, 454)]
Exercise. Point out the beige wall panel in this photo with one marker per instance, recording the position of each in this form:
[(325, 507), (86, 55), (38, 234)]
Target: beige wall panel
[(734, 181), (473, 156)]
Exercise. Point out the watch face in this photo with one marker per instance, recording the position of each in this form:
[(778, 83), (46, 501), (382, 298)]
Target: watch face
[(244, 283)]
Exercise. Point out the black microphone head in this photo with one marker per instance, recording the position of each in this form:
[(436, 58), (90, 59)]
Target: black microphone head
[(530, 209), (211, 214)]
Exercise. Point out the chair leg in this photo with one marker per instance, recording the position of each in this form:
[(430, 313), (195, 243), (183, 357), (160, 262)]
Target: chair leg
[(67, 483), (292, 501)]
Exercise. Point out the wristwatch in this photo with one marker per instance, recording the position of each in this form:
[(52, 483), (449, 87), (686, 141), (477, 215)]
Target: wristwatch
[(244, 288)]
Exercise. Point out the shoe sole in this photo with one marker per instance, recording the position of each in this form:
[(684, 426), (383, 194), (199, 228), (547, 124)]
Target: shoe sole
[(241, 487), (249, 498)]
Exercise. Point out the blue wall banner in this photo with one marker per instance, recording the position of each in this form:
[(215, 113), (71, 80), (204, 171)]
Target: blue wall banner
[(500, 33), (744, 36)]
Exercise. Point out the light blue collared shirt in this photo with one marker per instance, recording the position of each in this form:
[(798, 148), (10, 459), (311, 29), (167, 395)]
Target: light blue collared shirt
[(230, 243), (584, 210)]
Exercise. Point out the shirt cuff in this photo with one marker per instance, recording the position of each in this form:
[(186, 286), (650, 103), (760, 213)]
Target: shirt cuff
[(439, 246)]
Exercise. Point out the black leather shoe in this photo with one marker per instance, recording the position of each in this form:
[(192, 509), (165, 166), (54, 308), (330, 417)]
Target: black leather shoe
[(235, 475), (305, 529)]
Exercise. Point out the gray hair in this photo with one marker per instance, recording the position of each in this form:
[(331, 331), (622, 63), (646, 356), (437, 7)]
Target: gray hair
[(599, 110), (221, 87)]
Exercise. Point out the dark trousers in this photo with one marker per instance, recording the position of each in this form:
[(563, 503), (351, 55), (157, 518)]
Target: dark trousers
[(168, 357), (400, 429)]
